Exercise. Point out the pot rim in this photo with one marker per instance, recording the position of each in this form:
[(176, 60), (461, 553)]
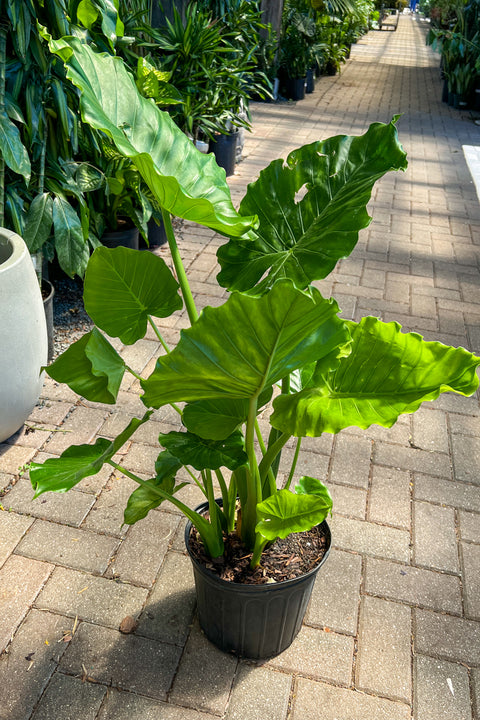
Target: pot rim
[(19, 248), (51, 290), (247, 588)]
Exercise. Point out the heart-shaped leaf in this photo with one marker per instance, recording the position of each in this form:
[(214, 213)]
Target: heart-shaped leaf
[(386, 374), (285, 512), (91, 367), (123, 287), (203, 454), (238, 349), (304, 239)]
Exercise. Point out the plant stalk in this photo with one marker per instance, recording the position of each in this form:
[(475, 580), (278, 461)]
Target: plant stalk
[(213, 544), (179, 269), (254, 487), (294, 463), (271, 454)]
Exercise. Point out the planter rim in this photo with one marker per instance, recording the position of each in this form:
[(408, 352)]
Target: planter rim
[(252, 589), (19, 249), (50, 288)]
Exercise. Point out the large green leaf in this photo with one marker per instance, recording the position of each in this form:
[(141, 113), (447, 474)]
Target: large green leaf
[(72, 250), (206, 454), (303, 240), (285, 512), (217, 419), (144, 498), (123, 287), (238, 349), (386, 374), (78, 462), (184, 181), (91, 367), (38, 223), (12, 149)]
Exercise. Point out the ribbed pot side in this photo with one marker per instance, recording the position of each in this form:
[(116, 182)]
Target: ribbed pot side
[(23, 334), (252, 621)]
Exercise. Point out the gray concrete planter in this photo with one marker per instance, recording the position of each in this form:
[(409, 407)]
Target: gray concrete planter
[(23, 334)]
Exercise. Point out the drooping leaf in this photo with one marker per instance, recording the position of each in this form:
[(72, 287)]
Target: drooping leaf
[(386, 374), (217, 419), (206, 454), (12, 149), (144, 498), (285, 512), (123, 287), (38, 223), (72, 250), (238, 349), (91, 367), (304, 239), (184, 181), (78, 462)]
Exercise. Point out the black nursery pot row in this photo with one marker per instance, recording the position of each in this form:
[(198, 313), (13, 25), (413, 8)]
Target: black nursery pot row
[(295, 88), (461, 102)]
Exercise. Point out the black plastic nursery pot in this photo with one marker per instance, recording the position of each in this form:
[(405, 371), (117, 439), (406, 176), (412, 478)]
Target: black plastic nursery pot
[(224, 148), (294, 88), (157, 235), (121, 238), (48, 292), (252, 621), (310, 84)]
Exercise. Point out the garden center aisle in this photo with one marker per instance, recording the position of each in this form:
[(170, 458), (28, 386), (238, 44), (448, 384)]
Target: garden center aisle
[(393, 628)]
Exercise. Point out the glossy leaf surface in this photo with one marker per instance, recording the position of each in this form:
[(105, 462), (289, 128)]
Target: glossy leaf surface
[(144, 498), (184, 181), (12, 149), (302, 238), (91, 367), (386, 374), (245, 345), (78, 462), (72, 250), (217, 419), (206, 454), (38, 223), (123, 287), (285, 512)]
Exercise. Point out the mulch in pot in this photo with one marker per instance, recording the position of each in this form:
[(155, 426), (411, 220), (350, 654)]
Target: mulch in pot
[(284, 559)]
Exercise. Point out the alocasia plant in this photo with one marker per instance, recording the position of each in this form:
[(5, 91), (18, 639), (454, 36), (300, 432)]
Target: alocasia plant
[(274, 333)]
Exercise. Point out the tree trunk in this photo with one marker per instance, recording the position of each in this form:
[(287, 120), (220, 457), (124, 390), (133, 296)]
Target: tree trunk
[(272, 13)]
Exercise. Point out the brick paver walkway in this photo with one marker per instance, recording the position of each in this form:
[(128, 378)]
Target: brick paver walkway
[(393, 628)]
